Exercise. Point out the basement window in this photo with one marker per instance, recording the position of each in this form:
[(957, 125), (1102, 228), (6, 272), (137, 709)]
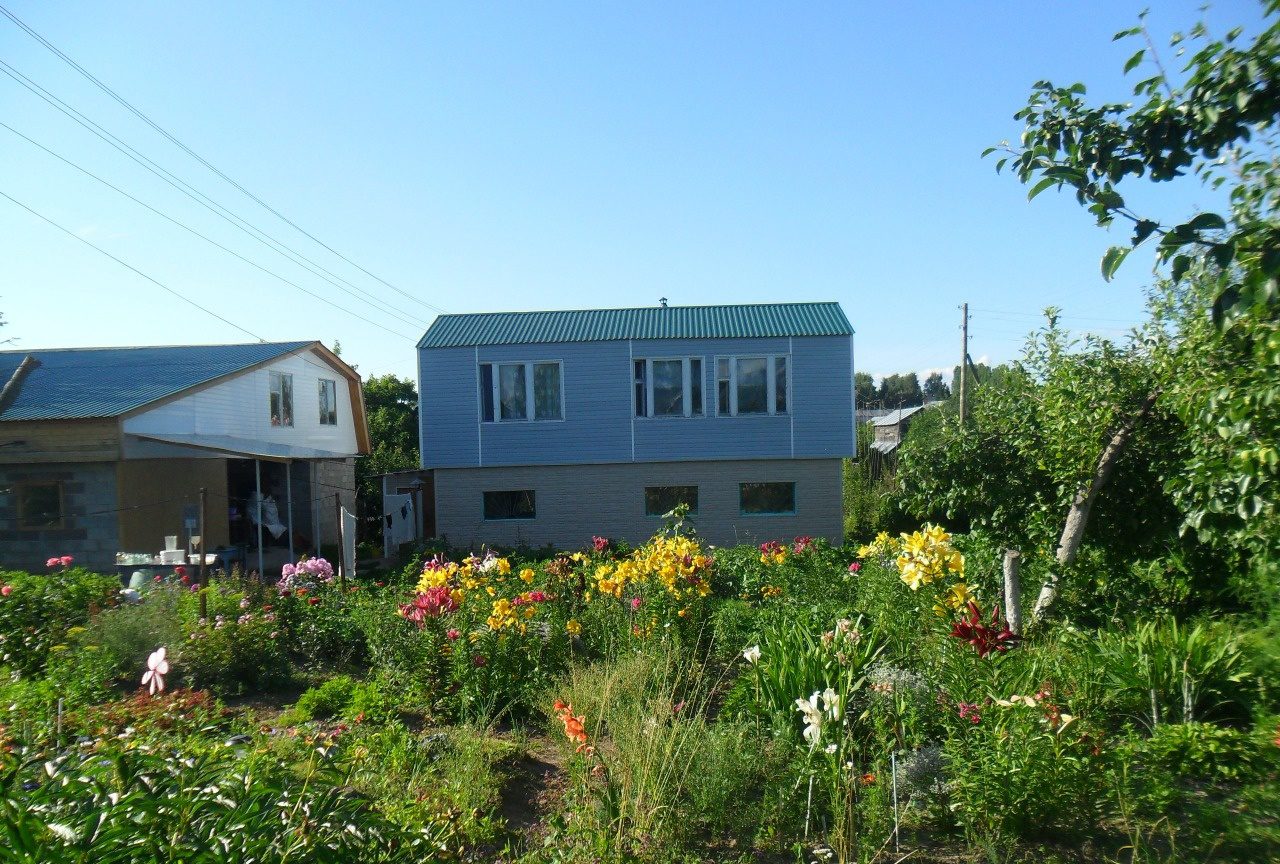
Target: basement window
[(513, 504)]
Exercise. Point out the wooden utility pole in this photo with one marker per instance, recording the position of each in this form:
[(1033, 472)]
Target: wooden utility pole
[(964, 360), (204, 575)]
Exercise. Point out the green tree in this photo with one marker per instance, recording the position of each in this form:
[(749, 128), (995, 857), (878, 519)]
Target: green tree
[(864, 388), (900, 391), (1217, 334), (935, 389), (391, 406)]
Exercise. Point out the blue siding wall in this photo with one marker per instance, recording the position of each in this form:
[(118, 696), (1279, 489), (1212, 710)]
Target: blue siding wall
[(599, 426)]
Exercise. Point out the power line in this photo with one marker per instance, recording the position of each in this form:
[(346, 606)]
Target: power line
[(199, 158), (177, 294), (191, 230), (199, 197)]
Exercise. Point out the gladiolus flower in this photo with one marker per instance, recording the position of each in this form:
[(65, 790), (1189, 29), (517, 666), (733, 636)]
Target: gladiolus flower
[(157, 668)]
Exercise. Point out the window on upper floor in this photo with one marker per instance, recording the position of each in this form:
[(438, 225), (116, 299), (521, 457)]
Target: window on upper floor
[(328, 402), (509, 390), (753, 385), (39, 506), (281, 399), (668, 387)]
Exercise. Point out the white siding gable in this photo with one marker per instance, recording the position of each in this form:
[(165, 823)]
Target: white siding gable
[(240, 407)]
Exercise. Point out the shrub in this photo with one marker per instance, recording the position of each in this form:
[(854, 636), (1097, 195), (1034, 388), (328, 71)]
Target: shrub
[(39, 609), (327, 700), (234, 656), (127, 634)]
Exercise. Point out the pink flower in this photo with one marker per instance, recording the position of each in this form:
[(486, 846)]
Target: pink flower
[(432, 603), (287, 571), (313, 601), (180, 570), (855, 567), (453, 633), (600, 543), (6, 591), (479, 660), (969, 711), (635, 603), (53, 562), (157, 578), (802, 544), (66, 560), (157, 668)]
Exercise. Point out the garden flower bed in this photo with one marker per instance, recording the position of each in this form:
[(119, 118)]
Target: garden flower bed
[(785, 702)]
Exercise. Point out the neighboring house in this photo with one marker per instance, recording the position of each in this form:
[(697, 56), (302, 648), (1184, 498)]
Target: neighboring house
[(890, 428), (105, 450), (550, 427)]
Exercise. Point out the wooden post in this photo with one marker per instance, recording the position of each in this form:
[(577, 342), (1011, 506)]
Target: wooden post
[(342, 547), (204, 574), (1013, 591)]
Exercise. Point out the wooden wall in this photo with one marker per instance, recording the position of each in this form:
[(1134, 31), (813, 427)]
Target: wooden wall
[(176, 482), (25, 442)]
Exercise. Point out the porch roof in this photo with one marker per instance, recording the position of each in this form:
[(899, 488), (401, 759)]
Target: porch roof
[(231, 447)]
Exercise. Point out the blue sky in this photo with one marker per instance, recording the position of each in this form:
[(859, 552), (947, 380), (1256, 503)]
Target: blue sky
[(488, 157)]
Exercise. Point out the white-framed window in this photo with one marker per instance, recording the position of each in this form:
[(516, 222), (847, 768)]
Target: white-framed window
[(328, 402), (668, 386), (758, 384), (281, 399), (531, 390)]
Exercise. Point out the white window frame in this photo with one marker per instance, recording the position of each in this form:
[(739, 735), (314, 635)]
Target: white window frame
[(530, 408), (686, 385), (274, 375), (771, 385), (333, 403)]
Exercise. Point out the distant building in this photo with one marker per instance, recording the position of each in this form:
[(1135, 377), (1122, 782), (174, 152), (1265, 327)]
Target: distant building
[(105, 450), (549, 427)]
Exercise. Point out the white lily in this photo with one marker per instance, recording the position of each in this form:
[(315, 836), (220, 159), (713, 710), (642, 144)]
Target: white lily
[(752, 654)]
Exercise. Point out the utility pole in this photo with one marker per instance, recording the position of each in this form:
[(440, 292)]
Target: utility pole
[(964, 360)]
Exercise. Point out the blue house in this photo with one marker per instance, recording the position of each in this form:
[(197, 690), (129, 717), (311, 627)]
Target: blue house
[(550, 427)]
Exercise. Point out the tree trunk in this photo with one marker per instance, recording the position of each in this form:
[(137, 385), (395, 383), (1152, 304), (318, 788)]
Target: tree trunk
[(1078, 515)]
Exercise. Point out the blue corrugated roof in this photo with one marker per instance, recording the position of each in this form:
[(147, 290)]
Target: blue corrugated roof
[(651, 322), (80, 383)]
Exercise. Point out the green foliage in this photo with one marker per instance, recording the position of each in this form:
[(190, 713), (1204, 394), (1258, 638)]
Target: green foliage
[(128, 634), (233, 657), (41, 607), (1226, 103), (1166, 672), (327, 700), (121, 805), (391, 407)]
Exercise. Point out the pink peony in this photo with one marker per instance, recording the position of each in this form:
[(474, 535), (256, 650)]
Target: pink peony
[(855, 567), (453, 633), (6, 591), (53, 562), (66, 560)]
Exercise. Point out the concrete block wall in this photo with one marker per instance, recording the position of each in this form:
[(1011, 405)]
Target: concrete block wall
[(90, 531), (334, 477)]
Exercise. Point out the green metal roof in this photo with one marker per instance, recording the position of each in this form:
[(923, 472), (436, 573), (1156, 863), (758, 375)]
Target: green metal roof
[(650, 322)]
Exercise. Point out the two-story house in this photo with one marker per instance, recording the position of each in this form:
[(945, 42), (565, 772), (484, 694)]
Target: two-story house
[(550, 427)]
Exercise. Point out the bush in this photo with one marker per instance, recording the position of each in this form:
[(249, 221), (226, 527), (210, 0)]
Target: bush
[(233, 657), (40, 608), (328, 700), (127, 634)]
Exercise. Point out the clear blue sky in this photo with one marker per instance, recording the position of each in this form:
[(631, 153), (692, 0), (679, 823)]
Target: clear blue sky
[(486, 157)]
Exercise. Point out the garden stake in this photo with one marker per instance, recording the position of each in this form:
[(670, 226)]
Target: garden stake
[(807, 805), (204, 576), (893, 771), (58, 735)]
